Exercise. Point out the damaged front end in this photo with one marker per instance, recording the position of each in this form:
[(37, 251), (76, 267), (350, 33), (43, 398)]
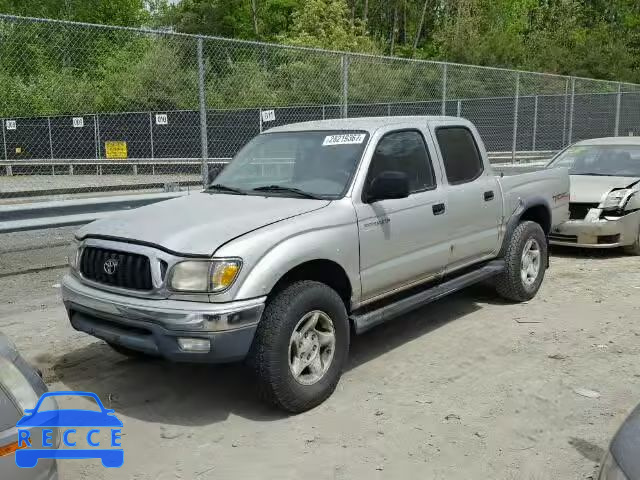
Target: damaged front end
[(614, 222)]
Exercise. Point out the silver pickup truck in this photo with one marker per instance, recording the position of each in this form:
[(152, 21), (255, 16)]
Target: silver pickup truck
[(314, 232)]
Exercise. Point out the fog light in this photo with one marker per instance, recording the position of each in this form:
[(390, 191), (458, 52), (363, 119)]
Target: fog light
[(201, 345)]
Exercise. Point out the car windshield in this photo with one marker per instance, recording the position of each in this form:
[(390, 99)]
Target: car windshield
[(308, 164), (607, 160)]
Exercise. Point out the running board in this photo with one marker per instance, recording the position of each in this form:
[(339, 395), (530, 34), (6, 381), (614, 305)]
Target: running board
[(365, 321)]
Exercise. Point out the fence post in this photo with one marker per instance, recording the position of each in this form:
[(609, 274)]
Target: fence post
[(564, 115), (618, 107), (4, 139), (50, 142), (571, 109), (535, 123), (344, 61), (151, 134), (459, 109), (204, 144), (443, 107), (516, 106), (95, 135)]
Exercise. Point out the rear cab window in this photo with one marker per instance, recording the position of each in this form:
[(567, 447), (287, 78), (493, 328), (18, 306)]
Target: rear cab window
[(460, 154)]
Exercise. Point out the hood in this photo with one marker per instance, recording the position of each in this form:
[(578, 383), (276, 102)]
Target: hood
[(589, 189), (199, 224)]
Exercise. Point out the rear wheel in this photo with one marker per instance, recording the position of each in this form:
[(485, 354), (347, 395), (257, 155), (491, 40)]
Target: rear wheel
[(301, 346), (525, 263)]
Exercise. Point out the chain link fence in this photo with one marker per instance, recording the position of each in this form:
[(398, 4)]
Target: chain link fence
[(90, 108)]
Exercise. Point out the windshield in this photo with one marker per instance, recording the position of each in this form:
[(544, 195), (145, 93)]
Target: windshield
[(312, 164), (609, 160)]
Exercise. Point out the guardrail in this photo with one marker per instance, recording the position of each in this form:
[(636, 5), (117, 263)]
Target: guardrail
[(146, 166), (64, 213)]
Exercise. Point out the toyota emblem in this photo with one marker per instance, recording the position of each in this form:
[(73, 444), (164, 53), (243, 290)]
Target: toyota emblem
[(110, 266)]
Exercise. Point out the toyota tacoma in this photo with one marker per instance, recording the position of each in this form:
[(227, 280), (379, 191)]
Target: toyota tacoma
[(314, 232)]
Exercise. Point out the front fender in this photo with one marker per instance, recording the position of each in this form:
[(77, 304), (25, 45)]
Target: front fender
[(336, 244), (269, 253)]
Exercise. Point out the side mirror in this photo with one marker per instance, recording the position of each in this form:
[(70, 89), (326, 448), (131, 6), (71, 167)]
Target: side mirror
[(388, 185)]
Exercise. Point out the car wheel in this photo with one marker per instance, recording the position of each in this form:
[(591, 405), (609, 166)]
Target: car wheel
[(525, 263), (301, 346), (128, 352), (635, 248)]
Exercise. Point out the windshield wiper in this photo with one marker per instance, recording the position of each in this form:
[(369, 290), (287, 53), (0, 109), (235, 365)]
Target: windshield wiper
[(280, 188), (593, 174), (225, 188)]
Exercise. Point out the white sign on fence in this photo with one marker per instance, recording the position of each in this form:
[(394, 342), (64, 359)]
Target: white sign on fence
[(11, 125), (78, 122), (162, 119), (268, 115)]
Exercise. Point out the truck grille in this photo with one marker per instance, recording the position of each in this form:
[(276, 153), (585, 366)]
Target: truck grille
[(577, 211), (118, 269)]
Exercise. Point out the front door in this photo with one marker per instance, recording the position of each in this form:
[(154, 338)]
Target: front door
[(402, 241)]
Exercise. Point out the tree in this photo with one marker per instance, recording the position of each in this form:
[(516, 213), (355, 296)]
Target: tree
[(326, 24), (109, 12)]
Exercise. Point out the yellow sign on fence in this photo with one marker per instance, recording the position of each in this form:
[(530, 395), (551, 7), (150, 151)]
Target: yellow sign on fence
[(115, 150)]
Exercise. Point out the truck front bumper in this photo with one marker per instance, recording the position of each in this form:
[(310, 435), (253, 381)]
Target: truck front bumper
[(180, 331), (608, 232)]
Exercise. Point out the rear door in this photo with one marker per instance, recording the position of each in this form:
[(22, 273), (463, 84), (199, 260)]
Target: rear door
[(474, 206), (402, 241)]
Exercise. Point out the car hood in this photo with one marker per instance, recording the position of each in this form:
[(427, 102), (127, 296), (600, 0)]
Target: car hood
[(589, 189), (200, 223)]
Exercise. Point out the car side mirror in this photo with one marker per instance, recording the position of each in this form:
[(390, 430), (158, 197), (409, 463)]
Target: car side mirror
[(388, 185)]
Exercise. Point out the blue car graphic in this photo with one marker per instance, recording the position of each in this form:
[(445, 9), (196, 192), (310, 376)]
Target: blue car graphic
[(28, 457)]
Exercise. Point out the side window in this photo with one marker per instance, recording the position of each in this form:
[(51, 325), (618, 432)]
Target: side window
[(460, 154), (404, 151)]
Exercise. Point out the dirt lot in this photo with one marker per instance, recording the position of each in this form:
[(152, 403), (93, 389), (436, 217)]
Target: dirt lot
[(467, 388)]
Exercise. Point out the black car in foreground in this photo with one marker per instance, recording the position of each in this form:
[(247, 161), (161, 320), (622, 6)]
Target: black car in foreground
[(623, 458)]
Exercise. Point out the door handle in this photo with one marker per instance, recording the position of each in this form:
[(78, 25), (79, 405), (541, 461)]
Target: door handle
[(438, 209), (488, 196)]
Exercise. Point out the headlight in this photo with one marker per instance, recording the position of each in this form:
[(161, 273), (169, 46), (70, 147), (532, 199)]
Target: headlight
[(200, 276), (610, 470), (613, 199), (73, 255), (16, 385)]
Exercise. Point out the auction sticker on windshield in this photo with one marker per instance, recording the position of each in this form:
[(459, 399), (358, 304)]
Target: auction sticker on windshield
[(344, 139)]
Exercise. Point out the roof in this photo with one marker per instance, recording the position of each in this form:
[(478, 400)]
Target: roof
[(610, 141), (369, 124)]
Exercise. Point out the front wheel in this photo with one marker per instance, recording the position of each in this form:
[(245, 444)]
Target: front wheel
[(301, 346), (525, 263)]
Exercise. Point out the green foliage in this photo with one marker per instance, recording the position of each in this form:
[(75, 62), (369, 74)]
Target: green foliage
[(325, 24), (108, 12), (56, 69)]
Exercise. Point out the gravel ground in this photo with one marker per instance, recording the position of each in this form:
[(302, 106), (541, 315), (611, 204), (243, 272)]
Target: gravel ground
[(469, 387)]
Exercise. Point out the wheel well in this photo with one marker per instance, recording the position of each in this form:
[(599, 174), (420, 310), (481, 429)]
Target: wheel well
[(539, 214), (325, 271)]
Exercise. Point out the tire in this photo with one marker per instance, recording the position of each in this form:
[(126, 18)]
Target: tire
[(128, 352), (633, 249), (270, 357), (511, 284)]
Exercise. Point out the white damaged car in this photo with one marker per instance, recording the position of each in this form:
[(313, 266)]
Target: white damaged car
[(605, 194)]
